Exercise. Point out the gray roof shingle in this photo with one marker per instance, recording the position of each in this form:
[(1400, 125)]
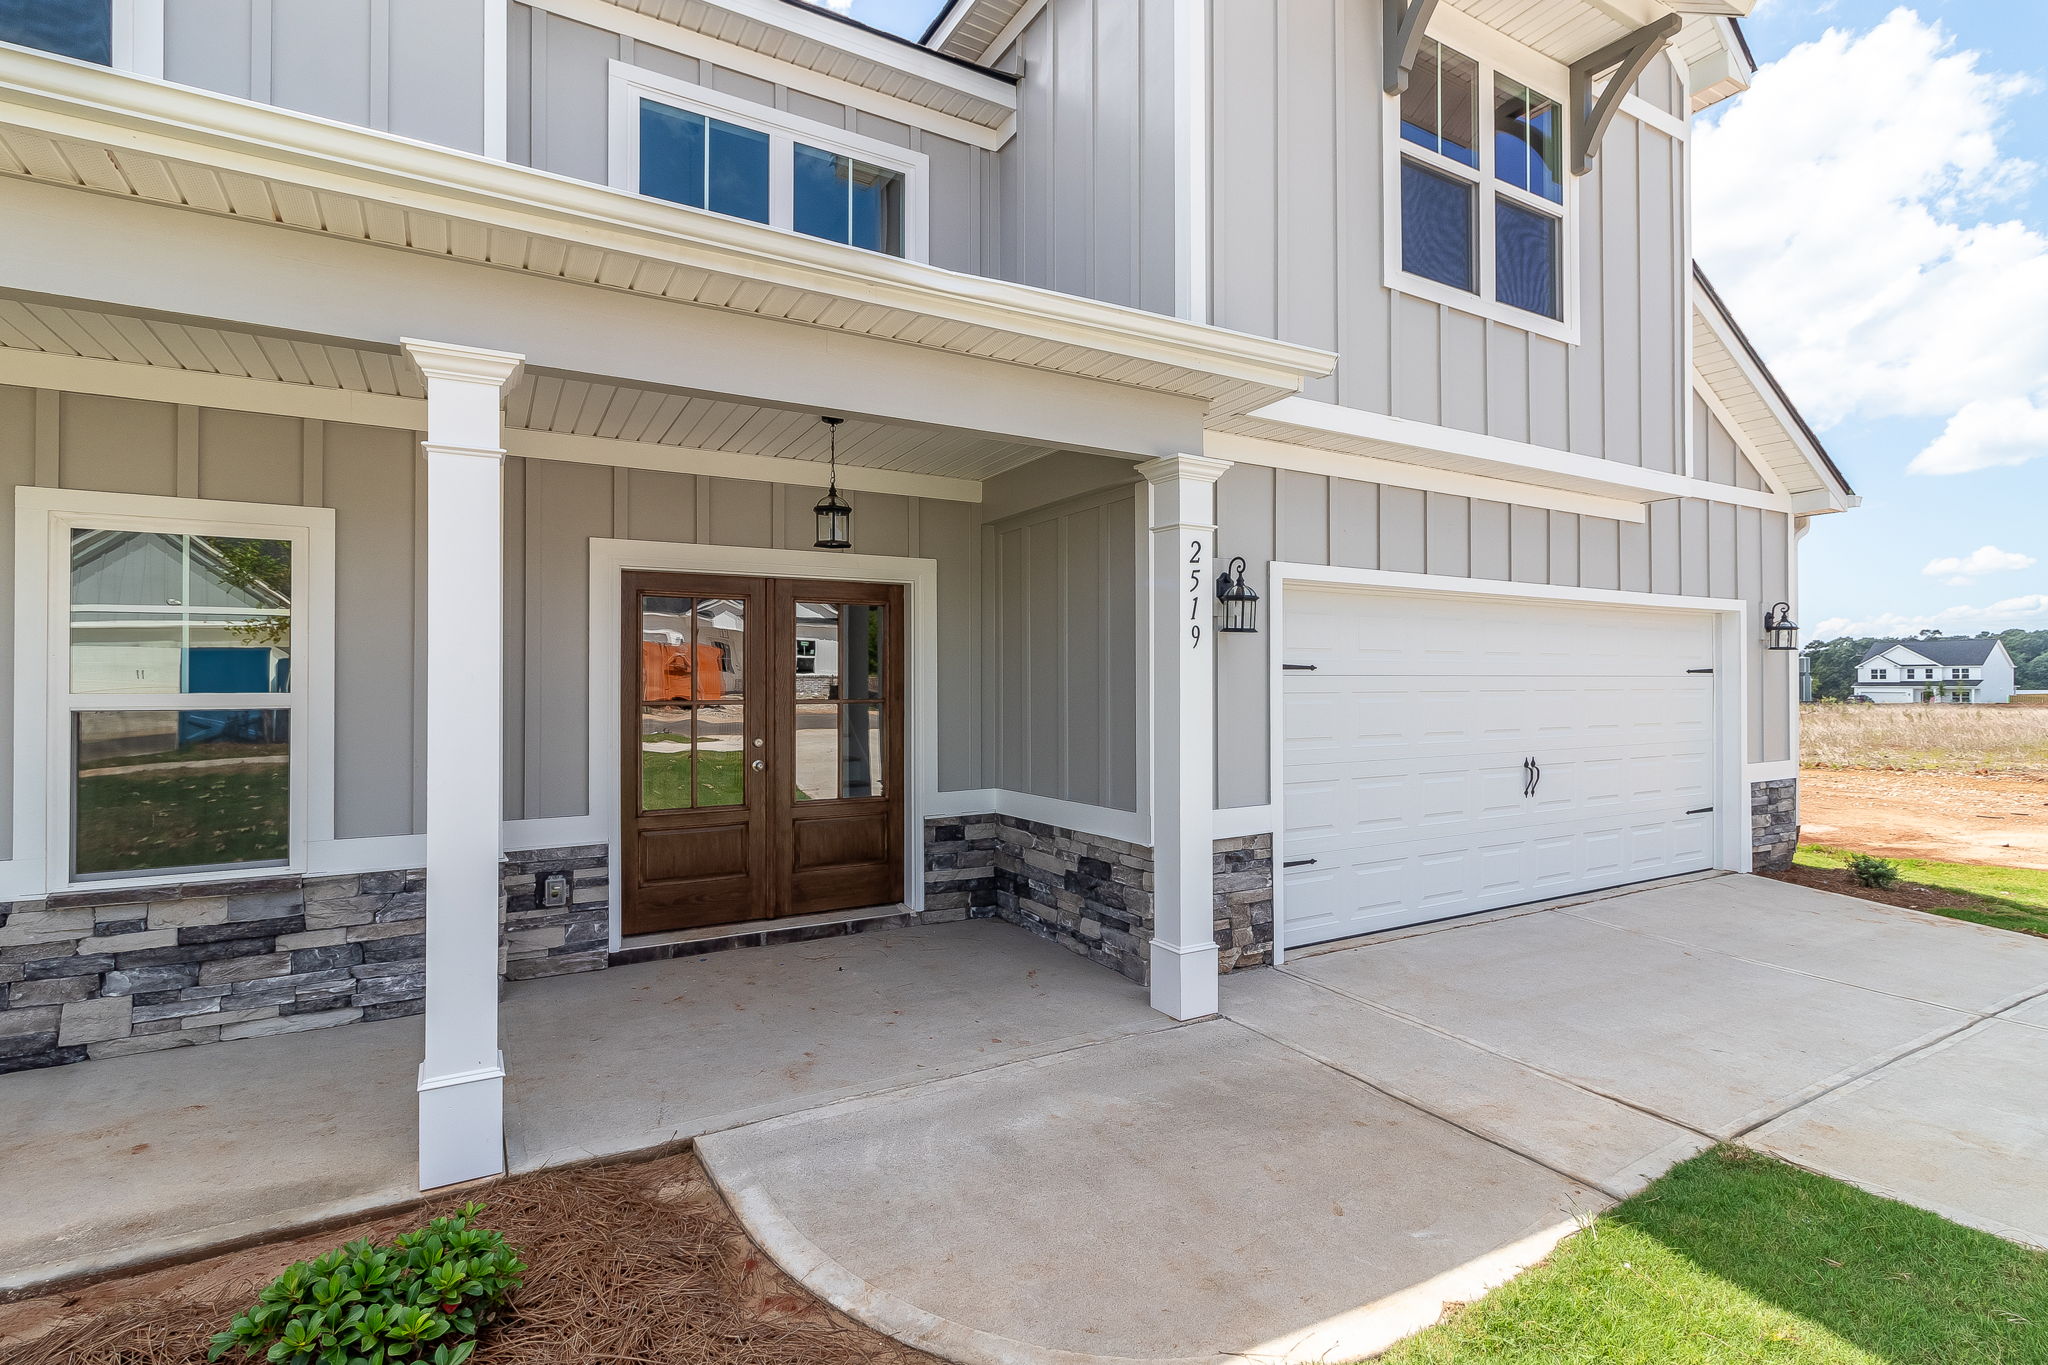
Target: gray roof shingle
[(1954, 653)]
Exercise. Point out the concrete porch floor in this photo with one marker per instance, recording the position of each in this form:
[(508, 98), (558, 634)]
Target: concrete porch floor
[(974, 1140), (136, 1158)]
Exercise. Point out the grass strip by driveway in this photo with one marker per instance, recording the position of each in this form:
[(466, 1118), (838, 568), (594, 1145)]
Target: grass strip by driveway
[(2003, 897), (1737, 1257)]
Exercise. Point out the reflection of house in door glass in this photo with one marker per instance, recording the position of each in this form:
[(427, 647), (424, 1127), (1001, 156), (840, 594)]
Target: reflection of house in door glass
[(839, 735)]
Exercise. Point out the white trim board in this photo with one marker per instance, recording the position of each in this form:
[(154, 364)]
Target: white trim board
[(42, 845), (1132, 827), (610, 559), (1731, 693), (973, 85), (1260, 450)]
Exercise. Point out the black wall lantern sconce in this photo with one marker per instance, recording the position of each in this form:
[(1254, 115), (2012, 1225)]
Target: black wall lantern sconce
[(1237, 603), (835, 518), (1780, 630)]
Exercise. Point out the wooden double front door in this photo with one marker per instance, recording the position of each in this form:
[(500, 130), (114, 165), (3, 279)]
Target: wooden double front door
[(763, 744)]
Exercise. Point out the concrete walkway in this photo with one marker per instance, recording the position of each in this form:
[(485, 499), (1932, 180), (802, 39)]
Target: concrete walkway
[(1371, 1132)]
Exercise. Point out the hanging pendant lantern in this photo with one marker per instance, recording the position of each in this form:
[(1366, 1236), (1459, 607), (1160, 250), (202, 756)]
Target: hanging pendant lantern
[(835, 517), (1237, 602)]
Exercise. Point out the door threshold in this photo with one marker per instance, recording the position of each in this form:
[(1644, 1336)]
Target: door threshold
[(716, 938)]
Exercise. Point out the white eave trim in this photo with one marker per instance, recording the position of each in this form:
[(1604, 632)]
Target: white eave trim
[(1307, 421), (821, 56), (1813, 486), (127, 120)]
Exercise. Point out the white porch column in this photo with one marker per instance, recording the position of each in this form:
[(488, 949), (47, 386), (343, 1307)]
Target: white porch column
[(461, 1080), (1182, 505)]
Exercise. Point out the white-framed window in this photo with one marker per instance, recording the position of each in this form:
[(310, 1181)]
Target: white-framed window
[(1879, 675), (1959, 673), (127, 34), (1481, 214), (704, 149), (174, 664)]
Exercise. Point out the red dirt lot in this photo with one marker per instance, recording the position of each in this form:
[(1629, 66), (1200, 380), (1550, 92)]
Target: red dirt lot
[(1943, 817)]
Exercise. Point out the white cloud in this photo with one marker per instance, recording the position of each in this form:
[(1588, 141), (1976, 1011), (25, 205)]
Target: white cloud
[(836, 6), (1848, 205), (1985, 435), (1961, 571), (2028, 610)]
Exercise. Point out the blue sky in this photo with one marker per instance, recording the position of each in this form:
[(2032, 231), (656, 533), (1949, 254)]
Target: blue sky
[(1875, 210)]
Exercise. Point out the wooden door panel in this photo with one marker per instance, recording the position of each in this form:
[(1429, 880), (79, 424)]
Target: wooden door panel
[(835, 840), (673, 855)]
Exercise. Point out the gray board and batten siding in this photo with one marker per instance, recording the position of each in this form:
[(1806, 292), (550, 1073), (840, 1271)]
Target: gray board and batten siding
[(400, 66), (1069, 660), (1297, 196), (1687, 547)]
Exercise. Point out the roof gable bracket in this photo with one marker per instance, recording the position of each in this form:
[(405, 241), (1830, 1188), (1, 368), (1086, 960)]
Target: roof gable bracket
[(1405, 22), (1630, 56)]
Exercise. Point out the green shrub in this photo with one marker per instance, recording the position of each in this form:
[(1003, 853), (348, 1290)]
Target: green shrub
[(1878, 873), (419, 1301)]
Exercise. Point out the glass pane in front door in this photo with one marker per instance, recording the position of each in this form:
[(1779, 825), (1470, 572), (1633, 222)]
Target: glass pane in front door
[(692, 716), (842, 720)]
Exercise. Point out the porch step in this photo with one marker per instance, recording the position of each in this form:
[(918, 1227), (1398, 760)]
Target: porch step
[(796, 929)]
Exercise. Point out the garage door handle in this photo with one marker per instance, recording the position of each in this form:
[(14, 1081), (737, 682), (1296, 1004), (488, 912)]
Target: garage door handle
[(1299, 668), (1703, 810), (1298, 862), (1535, 776), (1529, 776)]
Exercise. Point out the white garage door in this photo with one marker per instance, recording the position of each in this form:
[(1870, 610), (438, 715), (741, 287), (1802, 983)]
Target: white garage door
[(1446, 755)]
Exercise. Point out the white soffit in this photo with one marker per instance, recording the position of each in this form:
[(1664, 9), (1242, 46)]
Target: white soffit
[(1715, 62), (1566, 30), (970, 29), (75, 124), (595, 412), (1722, 366)]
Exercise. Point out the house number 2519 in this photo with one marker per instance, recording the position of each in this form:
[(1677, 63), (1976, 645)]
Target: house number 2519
[(1195, 594)]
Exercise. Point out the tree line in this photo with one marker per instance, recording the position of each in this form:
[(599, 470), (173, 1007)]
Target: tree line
[(1834, 661)]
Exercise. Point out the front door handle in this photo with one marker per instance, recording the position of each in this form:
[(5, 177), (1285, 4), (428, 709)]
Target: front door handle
[(760, 766)]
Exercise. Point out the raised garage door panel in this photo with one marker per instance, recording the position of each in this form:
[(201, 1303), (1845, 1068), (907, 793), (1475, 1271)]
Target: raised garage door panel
[(1403, 754)]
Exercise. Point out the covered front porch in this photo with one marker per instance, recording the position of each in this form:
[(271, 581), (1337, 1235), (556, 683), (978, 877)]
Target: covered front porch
[(133, 1159)]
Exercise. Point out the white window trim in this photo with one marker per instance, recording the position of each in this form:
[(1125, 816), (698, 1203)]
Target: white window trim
[(139, 37), (42, 790), (631, 84), (1495, 55)]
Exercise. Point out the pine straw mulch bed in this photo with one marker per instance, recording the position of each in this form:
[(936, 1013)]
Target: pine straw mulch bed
[(633, 1263), (1907, 895)]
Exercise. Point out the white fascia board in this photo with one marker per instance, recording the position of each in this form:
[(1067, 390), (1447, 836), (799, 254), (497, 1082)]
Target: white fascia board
[(1339, 464), (575, 449), (1426, 444), (59, 98), (989, 91), (1839, 498)]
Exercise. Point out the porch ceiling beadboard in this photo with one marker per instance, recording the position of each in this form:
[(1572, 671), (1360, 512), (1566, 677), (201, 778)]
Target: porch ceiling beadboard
[(74, 124), (542, 401)]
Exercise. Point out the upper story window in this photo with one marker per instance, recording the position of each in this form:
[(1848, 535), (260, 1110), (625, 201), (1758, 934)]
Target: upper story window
[(1955, 673), (1483, 219), (70, 28), (702, 148), (121, 33), (1879, 675)]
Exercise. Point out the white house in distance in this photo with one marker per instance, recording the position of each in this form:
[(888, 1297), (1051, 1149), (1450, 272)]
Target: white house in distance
[(447, 382), (1900, 671)]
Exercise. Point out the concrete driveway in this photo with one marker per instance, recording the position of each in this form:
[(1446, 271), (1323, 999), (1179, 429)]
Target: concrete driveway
[(1370, 1132)]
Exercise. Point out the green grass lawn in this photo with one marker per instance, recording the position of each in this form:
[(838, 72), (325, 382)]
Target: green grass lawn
[(1734, 1257), (132, 818), (2003, 897), (665, 779)]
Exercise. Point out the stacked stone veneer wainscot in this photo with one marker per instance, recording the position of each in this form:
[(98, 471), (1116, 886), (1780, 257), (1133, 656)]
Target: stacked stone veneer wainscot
[(109, 973), (1088, 892), (1773, 823)]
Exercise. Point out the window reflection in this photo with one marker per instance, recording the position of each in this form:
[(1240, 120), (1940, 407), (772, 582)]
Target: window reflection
[(840, 736), (70, 28), (164, 791), (693, 727), (156, 613)]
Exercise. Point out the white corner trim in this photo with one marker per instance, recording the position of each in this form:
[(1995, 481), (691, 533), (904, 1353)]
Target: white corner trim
[(1191, 161), (1338, 464), (497, 110), (1238, 822), (42, 763), (961, 82), (610, 559)]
